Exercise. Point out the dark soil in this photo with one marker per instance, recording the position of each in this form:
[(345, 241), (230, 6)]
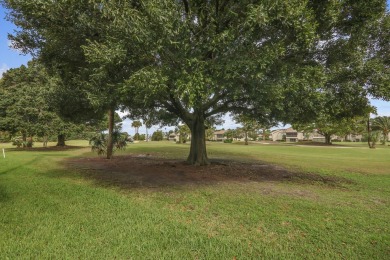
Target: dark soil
[(145, 170)]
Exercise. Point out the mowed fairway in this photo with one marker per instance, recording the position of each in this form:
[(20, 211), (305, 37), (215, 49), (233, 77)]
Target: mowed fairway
[(48, 210)]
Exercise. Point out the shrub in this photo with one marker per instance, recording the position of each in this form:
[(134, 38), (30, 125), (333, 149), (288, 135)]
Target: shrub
[(141, 137), (228, 141), (157, 136), (17, 141), (99, 142), (4, 137), (29, 143), (120, 142)]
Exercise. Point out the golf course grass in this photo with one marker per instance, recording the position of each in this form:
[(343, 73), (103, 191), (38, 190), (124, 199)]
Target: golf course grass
[(48, 210)]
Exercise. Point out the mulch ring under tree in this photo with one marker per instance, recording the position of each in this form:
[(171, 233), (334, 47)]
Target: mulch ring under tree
[(148, 171)]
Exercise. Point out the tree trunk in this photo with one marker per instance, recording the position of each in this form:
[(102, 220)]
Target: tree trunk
[(198, 154), (370, 145), (24, 139), (110, 144), (246, 138), (264, 134), (61, 140), (45, 140), (328, 139), (136, 133), (30, 142)]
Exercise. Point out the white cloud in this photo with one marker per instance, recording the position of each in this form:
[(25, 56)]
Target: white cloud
[(3, 68)]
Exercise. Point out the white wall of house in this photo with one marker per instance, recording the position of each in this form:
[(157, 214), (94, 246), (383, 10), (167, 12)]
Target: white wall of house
[(298, 137), (277, 135), (173, 137), (219, 136), (352, 138), (293, 135)]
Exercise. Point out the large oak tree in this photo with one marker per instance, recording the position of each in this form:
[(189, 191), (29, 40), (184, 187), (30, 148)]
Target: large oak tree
[(213, 57), (268, 60)]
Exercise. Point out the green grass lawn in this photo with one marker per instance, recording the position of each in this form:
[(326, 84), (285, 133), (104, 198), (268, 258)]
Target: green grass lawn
[(46, 211)]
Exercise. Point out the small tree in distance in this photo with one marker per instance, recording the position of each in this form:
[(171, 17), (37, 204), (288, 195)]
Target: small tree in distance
[(157, 136), (136, 124), (99, 143)]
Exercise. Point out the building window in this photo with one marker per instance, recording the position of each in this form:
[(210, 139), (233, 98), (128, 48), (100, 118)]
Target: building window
[(292, 134)]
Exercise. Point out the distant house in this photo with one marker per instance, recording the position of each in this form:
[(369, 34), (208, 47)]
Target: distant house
[(176, 137), (289, 135), (353, 138), (277, 135), (293, 135), (219, 135), (316, 137), (173, 137)]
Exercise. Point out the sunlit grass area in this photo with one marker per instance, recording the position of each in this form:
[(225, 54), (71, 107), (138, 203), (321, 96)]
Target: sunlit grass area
[(50, 211)]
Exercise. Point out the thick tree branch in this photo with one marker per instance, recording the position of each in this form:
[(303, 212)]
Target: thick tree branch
[(169, 107), (228, 106), (186, 7), (180, 111), (214, 100)]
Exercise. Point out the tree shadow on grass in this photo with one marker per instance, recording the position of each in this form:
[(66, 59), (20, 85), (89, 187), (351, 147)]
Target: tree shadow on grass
[(146, 171), (3, 194), (33, 161)]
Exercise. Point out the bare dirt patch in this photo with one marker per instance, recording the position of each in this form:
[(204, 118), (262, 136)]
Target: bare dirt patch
[(148, 171)]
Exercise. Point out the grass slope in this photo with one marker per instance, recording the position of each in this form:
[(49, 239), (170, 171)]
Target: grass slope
[(48, 212)]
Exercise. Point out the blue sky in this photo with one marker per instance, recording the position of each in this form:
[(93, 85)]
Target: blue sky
[(10, 58)]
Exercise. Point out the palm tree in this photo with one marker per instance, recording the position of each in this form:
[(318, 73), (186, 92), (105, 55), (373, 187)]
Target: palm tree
[(382, 123), (136, 124), (148, 124)]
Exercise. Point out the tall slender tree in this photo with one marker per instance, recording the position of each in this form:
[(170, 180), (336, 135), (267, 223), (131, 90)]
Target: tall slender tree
[(136, 124), (248, 125)]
